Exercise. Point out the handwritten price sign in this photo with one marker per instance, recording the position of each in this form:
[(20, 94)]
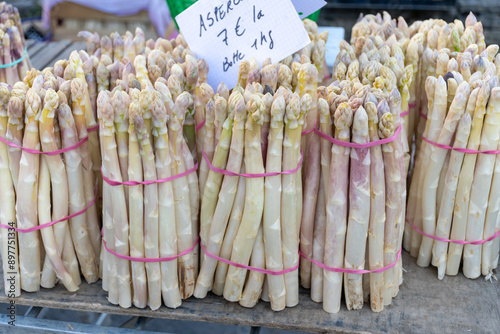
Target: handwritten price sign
[(225, 32)]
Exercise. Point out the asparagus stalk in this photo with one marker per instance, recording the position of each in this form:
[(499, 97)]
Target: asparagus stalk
[(167, 222), (272, 211), (443, 226), (93, 228), (336, 210), (377, 213), (208, 143), (294, 120), (481, 186), (8, 207), (255, 281), (48, 237), (489, 256), (319, 244), (112, 170), (359, 211), (432, 174), (151, 225), (254, 202), (231, 231), (181, 198), (26, 204), (458, 230), (387, 128), (14, 133), (136, 202)]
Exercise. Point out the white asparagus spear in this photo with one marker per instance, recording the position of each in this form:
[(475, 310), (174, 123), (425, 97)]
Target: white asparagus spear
[(58, 177), (48, 238), (489, 260), (136, 207), (336, 211), (231, 231), (320, 217), (393, 185), (112, 169), (413, 212), (272, 210), (443, 226), (319, 244), (377, 213), (208, 143), (168, 235), (255, 280), (434, 166), (254, 202), (225, 202), (291, 197), (26, 203), (481, 185), (465, 179), (94, 147), (151, 227), (435, 119), (359, 211), (14, 134), (194, 199), (121, 102), (181, 198), (10, 250), (78, 91)]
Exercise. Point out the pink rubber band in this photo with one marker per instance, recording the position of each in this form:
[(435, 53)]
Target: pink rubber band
[(308, 131), (39, 227), (459, 242), (94, 128), (462, 150), (355, 145), (422, 114), (406, 113), (147, 259), (412, 105), (199, 126), (29, 150), (353, 271), (250, 175), (136, 183), (242, 266)]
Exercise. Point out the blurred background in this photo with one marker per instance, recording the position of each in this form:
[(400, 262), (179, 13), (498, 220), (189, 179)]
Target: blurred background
[(60, 19)]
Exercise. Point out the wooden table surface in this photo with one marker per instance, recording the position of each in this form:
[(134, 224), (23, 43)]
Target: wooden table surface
[(424, 305), (45, 54)]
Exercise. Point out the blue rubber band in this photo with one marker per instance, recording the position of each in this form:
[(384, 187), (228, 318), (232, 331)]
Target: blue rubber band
[(15, 62)]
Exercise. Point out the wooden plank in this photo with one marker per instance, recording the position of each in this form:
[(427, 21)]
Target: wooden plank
[(37, 47), (30, 43), (45, 57), (424, 305), (67, 51)]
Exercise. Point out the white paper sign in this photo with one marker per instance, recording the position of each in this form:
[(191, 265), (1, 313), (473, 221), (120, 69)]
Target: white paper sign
[(225, 32), (307, 7)]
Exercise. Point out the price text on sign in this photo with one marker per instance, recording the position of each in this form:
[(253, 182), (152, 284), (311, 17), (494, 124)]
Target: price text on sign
[(225, 32)]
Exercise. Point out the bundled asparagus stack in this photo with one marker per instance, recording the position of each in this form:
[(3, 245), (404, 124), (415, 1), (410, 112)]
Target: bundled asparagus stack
[(14, 60), (454, 192), (148, 121), (439, 39), (47, 180), (263, 232)]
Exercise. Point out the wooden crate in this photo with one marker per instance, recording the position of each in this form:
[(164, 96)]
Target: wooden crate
[(67, 19)]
